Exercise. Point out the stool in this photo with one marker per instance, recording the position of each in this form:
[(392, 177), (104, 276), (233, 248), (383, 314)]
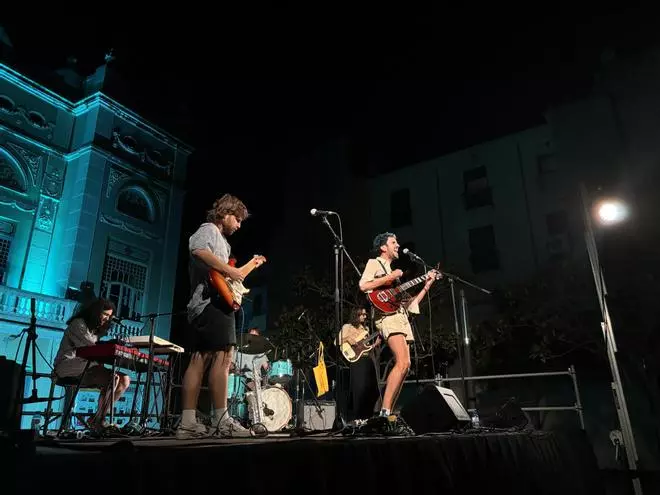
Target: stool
[(68, 383)]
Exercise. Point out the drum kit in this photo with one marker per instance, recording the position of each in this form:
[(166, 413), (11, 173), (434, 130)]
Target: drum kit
[(253, 400)]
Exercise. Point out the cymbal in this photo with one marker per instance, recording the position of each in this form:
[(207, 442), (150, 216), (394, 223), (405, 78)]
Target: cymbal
[(253, 344)]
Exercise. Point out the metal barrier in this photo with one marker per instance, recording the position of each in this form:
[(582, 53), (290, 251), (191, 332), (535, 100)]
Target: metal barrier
[(577, 407)]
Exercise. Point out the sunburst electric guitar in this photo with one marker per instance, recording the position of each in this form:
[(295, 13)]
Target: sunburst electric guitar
[(389, 299), (232, 291)]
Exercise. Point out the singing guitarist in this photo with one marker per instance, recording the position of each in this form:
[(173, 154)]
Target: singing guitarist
[(212, 325), (395, 328), (363, 377)]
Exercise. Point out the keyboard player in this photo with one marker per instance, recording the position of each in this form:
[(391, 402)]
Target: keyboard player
[(86, 328)]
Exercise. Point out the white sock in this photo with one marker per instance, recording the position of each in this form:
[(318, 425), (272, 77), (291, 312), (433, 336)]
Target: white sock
[(189, 417), (384, 412), (220, 416)]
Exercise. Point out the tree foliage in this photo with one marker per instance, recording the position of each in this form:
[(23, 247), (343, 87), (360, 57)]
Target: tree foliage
[(549, 321)]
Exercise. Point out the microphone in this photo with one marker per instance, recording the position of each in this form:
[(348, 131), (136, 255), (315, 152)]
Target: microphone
[(323, 213), (412, 255)]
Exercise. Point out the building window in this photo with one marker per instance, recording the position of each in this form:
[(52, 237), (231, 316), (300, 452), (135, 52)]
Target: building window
[(11, 175), (135, 202), (476, 191), (484, 255), (559, 240), (546, 166), (124, 279), (557, 222), (400, 211)]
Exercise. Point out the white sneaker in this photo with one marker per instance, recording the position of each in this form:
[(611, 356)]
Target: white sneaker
[(187, 432), (229, 428)]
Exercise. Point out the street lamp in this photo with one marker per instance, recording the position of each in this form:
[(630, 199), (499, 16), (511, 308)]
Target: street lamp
[(611, 211), (608, 212)]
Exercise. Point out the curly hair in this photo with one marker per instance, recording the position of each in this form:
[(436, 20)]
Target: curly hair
[(91, 314), (227, 205), (381, 240)]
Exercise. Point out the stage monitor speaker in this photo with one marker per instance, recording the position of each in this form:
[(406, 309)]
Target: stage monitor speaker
[(507, 414), (12, 383), (435, 410)]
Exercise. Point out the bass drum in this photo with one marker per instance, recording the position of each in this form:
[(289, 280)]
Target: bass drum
[(276, 411)]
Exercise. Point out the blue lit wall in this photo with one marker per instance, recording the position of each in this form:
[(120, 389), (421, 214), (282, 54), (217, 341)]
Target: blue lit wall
[(89, 191)]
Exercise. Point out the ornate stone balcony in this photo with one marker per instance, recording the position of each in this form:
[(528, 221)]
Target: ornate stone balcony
[(52, 312)]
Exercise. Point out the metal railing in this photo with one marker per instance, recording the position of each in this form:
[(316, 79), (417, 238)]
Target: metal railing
[(577, 407)]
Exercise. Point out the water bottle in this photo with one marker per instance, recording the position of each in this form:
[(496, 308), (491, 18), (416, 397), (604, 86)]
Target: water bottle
[(475, 419)]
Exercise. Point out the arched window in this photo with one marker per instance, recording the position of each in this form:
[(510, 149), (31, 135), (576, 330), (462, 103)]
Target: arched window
[(135, 202), (11, 174)]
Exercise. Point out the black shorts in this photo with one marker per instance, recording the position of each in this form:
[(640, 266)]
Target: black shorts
[(213, 330)]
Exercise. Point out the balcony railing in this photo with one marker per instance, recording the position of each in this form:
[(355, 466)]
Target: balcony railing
[(50, 311)]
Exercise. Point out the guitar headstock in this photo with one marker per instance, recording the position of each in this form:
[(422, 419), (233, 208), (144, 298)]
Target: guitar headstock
[(258, 259), (436, 269)]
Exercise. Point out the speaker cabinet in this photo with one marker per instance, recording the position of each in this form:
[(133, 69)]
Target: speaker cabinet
[(435, 410), (507, 414), (12, 383)]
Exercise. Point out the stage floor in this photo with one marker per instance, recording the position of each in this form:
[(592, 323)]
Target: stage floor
[(518, 463)]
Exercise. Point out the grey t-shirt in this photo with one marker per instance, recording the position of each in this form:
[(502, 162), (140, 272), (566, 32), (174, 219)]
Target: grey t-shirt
[(207, 236), (66, 362)]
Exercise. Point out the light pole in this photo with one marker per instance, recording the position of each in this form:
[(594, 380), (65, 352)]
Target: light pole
[(610, 212)]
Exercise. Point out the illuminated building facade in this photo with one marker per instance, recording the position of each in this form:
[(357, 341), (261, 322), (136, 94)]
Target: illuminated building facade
[(89, 191)]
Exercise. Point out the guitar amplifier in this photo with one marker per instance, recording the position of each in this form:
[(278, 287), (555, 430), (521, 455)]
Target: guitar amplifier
[(318, 418)]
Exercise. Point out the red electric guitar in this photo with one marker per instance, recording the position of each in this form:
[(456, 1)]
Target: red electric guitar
[(389, 299), (232, 291)]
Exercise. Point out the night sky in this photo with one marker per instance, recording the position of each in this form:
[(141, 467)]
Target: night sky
[(253, 92)]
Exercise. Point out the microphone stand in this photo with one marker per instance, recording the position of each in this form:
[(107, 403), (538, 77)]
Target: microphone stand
[(462, 351), (147, 387), (30, 347), (452, 278), (339, 248)]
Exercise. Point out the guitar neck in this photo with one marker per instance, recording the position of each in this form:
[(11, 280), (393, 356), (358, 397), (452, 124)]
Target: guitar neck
[(410, 283), (248, 267)]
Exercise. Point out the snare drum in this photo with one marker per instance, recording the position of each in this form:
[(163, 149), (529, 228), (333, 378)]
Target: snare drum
[(280, 372)]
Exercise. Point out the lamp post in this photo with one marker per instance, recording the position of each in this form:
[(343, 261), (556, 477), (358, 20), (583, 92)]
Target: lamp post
[(610, 212)]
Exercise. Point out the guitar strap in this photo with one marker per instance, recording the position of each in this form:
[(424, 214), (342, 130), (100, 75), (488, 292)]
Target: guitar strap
[(383, 266)]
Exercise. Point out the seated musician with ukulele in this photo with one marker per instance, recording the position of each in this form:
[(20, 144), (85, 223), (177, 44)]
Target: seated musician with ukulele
[(393, 323), (363, 378), (86, 328)]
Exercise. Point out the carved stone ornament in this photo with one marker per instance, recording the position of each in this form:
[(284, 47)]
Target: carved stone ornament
[(144, 153), (18, 205), (128, 227), (47, 212), (114, 177), (24, 115), (53, 180), (32, 160)]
